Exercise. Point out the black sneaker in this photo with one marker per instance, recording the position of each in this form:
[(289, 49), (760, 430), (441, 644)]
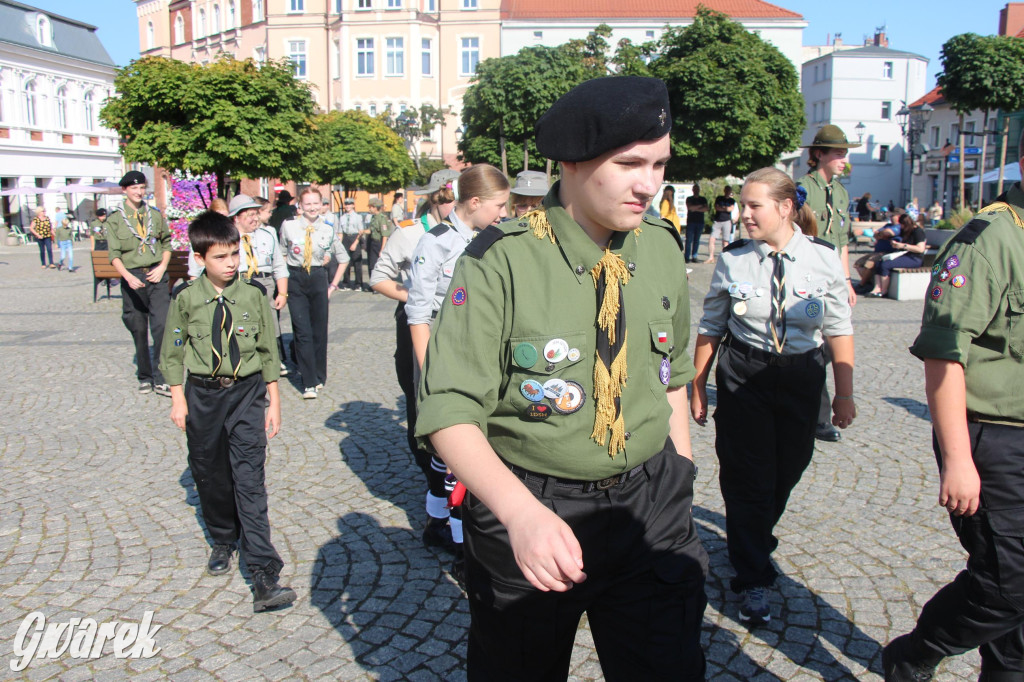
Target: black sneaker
[(458, 571), (755, 609), (145, 387), (162, 389), (267, 594), (220, 560), (897, 668), (438, 534)]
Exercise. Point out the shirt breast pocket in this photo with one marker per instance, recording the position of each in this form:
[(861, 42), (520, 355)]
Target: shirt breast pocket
[(659, 366), (809, 308), (1015, 320), (543, 369), (247, 333)]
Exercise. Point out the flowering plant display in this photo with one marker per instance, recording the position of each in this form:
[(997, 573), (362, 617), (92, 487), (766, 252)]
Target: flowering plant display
[(190, 196)]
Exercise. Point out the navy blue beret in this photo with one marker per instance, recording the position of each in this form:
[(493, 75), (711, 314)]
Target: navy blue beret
[(603, 114)]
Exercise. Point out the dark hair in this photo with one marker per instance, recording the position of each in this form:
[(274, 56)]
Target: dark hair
[(261, 201), (812, 157), (209, 229), (906, 223), (284, 197)]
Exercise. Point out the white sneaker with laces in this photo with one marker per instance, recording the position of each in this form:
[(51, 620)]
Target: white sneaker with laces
[(309, 394)]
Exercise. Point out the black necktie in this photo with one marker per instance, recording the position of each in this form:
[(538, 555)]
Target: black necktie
[(777, 321), (829, 215), (221, 324)]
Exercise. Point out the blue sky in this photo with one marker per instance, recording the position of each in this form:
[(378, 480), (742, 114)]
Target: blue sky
[(911, 25)]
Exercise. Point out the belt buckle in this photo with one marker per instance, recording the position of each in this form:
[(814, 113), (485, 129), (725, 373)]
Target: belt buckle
[(609, 482), (225, 382)]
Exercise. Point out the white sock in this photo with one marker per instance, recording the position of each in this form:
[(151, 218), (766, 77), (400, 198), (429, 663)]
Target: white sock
[(437, 507), (456, 526)]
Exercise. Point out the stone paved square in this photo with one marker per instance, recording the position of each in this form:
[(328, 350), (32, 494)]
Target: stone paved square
[(99, 515)]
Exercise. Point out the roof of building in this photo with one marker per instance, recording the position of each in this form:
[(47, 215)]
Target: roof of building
[(876, 51), (931, 98), (640, 9), (70, 38)]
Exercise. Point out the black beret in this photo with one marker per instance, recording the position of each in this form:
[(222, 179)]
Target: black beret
[(133, 178), (100, 212), (603, 114)]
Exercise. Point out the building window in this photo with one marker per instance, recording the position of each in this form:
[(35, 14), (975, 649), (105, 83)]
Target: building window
[(887, 70), (336, 46), (469, 4), (297, 55), (257, 10), (883, 153), (886, 111), (373, 110), (425, 57), (202, 23), (149, 35), (394, 50), (934, 137), (650, 35), (337, 6), (430, 6), (62, 108), (815, 119), (179, 30), (469, 56), (538, 35), (296, 5), (359, 107), (28, 102), (264, 188), (816, 76), (394, 4), (215, 20), (43, 30), (90, 111), (364, 4), (231, 15), (364, 57), (259, 55)]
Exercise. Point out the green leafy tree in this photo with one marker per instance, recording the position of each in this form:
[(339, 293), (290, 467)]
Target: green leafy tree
[(425, 168), (736, 102), (229, 117), (987, 73), (415, 124), (352, 149)]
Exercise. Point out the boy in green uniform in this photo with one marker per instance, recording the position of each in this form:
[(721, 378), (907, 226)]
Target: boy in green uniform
[(569, 466), (65, 242), (830, 202), (98, 230), (379, 231), (220, 329), (139, 243), (972, 344)]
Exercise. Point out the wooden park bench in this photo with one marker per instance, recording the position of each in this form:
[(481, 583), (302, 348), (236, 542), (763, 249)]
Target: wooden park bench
[(103, 271)]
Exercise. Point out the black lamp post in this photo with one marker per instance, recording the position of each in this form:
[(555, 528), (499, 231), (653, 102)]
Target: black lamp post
[(912, 123)]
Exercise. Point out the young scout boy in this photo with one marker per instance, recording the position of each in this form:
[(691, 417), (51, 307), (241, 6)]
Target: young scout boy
[(139, 243), (972, 344), (220, 329), (580, 482)]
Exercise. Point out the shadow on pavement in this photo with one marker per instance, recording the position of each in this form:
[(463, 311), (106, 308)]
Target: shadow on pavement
[(914, 407)]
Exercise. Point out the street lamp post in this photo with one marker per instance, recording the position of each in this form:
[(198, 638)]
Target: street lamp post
[(912, 123)]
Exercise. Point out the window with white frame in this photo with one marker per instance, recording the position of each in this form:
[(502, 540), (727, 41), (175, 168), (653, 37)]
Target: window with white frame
[(394, 53), (257, 10), (469, 56), (364, 4), (264, 188), (337, 6), (259, 55), (887, 70), (43, 34), (364, 57), (650, 35), (89, 110), (430, 6), (934, 137), (28, 102), (373, 109), (358, 107), (215, 20), (296, 5), (336, 62), (179, 30), (232, 19), (883, 153), (817, 76), (297, 55), (814, 118), (149, 35), (538, 35), (62, 107), (425, 57), (201, 26), (394, 4), (886, 111), (469, 4)]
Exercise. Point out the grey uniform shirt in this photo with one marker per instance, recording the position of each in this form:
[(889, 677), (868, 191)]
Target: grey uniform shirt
[(350, 223), (269, 259), (293, 241), (739, 300), (433, 263), (395, 261)]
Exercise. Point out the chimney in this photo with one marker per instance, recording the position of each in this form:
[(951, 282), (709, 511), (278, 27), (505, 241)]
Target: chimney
[(880, 39), (838, 42), (1011, 19)]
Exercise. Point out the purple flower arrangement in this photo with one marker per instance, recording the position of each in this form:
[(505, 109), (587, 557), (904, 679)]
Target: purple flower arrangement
[(190, 196)]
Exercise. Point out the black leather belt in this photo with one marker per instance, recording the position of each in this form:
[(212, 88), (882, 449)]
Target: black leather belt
[(584, 486), (773, 359), (212, 382)]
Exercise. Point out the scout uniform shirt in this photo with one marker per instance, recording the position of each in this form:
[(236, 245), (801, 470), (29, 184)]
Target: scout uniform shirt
[(380, 227), (98, 229), (322, 240), (739, 300), (433, 264), (521, 317), (63, 233), (395, 260), (834, 224), (351, 223), (137, 244), (266, 251), (974, 313), (188, 336)]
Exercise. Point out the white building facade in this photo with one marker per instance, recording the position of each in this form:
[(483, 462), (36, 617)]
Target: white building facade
[(54, 78), (866, 86)]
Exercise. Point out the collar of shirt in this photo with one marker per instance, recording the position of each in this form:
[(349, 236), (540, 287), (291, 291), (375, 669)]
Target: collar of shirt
[(578, 247), (1015, 196), (464, 230), (230, 292), (791, 250)]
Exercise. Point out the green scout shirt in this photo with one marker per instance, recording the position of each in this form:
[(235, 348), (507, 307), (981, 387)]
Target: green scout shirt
[(833, 226), (64, 233), (187, 336), (98, 229), (974, 313), (504, 309), (380, 227), (123, 241)]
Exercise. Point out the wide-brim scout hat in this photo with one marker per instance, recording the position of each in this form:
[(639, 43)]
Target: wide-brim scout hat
[(375, 202), (133, 178), (831, 136), (239, 203), (349, 201), (438, 180), (531, 184)]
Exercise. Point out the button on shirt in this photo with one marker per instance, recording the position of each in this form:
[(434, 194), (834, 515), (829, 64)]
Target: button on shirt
[(433, 263), (266, 248), (124, 241), (739, 300), (395, 261), (293, 240)]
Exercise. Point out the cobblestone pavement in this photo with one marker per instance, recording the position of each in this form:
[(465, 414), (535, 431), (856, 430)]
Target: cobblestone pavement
[(99, 515)]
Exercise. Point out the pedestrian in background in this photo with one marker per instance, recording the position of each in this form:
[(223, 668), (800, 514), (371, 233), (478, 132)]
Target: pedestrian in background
[(696, 208), (65, 242), (667, 207), (350, 229), (529, 188), (721, 228), (284, 210), (98, 231), (42, 229)]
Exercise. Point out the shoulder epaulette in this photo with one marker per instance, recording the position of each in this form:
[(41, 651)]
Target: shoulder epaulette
[(970, 232), (181, 287), (440, 229), (484, 241), (258, 285), (822, 242), (736, 244), (661, 222)]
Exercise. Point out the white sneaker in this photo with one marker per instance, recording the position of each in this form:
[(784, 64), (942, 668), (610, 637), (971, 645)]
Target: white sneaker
[(284, 370), (309, 394), (319, 387)]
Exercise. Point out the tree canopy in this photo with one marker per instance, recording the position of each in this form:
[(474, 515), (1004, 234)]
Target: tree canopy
[(983, 72), (355, 150), (231, 116)]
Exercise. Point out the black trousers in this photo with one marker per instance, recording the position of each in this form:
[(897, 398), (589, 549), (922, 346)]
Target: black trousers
[(355, 264), (825, 406), (644, 593), (307, 304), (983, 608), (765, 422), (372, 252), (144, 312), (227, 450)]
